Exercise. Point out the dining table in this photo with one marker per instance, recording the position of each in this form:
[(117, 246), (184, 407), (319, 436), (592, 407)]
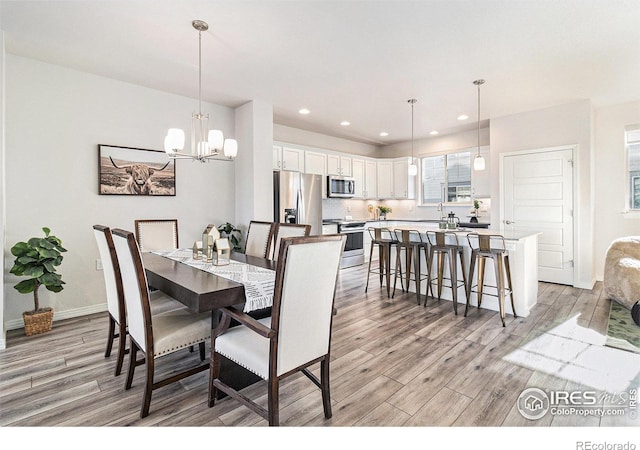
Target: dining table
[(202, 291)]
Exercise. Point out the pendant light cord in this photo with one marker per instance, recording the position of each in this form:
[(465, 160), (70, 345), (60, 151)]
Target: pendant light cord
[(479, 118), (200, 72)]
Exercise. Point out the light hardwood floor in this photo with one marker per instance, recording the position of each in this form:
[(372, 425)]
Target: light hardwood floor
[(394, 363)]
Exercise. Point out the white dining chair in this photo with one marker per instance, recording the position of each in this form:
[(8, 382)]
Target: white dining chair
[(283, 230), (298, 333), (159, 335), (259, 237), (156, 234)]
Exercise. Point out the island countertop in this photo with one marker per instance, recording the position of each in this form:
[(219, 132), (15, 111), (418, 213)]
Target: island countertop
[(508, 234)]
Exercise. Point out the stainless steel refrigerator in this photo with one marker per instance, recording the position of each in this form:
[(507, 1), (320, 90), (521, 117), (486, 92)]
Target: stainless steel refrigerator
[(297, 198)]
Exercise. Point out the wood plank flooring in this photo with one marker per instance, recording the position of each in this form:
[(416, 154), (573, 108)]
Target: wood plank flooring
[(394, 364)]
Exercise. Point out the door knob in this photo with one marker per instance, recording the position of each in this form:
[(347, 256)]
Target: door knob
[(509, 222)]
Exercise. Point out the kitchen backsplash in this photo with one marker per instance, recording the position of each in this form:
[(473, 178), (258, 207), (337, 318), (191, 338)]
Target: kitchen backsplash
[(401, 209)]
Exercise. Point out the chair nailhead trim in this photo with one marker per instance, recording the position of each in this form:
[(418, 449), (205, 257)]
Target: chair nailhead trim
[(171, 350)]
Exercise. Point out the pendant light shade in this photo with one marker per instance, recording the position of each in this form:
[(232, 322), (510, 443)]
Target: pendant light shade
[(413, 167), (478, 161)]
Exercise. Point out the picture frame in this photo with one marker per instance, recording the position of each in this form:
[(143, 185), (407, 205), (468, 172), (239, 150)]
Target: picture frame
[(135, 171)]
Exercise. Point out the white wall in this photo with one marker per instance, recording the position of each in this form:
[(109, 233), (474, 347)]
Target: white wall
[(569, 124), (55, 119), (290, 135), (610, 179), (3, 333), (436, 144), (254, 180)]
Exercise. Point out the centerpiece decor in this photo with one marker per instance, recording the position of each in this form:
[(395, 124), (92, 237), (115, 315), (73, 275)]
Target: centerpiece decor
[(384, 210)]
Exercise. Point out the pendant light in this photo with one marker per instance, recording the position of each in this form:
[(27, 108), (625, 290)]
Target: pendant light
[(205, 144), (478, 161), (413, 167)]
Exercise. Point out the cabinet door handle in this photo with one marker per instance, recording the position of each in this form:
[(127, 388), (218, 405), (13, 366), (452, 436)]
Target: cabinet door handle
[(509, 222), (284, 164)]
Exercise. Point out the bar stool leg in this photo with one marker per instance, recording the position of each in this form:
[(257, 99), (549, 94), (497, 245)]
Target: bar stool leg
[(464, 276), (407, 266), (472, 264), (497, 260), (481, 264), (417, 276), (369, 270), (387, 272), (396, 271), (429, 266), (381, 262), (428, 262), (508, 270), (440, 272), (453, 272)]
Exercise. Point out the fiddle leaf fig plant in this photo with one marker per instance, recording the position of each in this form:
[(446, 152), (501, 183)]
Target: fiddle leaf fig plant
[(37, 259), (234, 235)]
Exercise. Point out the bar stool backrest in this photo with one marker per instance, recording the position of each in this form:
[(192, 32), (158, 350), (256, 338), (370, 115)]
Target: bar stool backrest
[(408, 236), (381, 234), (442, 238), (487, 242)]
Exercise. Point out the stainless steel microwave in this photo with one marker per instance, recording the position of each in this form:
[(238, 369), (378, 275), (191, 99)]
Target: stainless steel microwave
[(341, 186)]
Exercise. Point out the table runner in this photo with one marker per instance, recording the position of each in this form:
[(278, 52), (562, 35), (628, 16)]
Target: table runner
[(258, 282)]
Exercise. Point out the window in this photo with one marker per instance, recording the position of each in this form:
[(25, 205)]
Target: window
[(446, 178), (633, 164)]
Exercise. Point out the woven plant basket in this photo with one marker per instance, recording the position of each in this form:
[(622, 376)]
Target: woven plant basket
[(37, 322)]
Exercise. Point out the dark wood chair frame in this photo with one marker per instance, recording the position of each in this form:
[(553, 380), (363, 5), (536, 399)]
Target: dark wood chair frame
[(272, 413), (141, 221), (272, 225), (150, 384), (276, 232), (121, 320)]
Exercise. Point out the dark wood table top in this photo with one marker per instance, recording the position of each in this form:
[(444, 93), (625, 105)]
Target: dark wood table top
[(198, 290)]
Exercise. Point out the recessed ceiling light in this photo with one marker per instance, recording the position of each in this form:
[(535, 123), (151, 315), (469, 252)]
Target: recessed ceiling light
[(344, 123), (463, 117), (304, 111), (384, 133), (433, 133)]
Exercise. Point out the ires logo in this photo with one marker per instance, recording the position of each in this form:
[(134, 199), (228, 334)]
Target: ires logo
[(575, 398)]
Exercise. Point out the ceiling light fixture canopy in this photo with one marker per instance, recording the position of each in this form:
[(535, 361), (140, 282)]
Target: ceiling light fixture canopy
[(205, 144), (478, 161), (413, 167)]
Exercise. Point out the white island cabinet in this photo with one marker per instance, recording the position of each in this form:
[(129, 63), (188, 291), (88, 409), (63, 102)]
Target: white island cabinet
[(523, 259)]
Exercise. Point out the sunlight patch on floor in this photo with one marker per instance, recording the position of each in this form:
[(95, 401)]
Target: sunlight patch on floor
[(578, 354)]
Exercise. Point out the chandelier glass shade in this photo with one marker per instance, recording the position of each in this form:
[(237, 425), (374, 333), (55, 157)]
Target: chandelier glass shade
[(206, 144)]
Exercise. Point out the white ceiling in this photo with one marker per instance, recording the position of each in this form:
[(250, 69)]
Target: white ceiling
[(349, 60)]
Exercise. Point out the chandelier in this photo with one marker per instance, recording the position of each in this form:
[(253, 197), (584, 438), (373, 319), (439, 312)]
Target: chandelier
[(205, 144), (478, 161)]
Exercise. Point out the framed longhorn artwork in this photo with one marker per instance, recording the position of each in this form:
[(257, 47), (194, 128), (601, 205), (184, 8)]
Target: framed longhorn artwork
[(135, 171)]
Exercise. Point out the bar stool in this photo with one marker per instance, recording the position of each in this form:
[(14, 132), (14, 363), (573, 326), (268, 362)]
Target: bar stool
[(383, 239), (445, 243), (484, 246), (411, 243)]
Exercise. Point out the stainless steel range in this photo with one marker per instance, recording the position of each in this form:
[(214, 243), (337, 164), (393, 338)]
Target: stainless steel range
[(353, 254)]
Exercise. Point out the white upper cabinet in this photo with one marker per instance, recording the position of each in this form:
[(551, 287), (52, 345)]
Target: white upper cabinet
[(370, 179), (364, 173), (286, 158), (339, 165), (316, 163), (385, 179)]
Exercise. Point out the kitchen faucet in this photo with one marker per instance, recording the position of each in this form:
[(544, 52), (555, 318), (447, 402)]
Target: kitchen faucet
[(441, 209)]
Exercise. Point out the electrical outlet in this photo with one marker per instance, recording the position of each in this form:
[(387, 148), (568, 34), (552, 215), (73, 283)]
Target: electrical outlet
[(98, 264)]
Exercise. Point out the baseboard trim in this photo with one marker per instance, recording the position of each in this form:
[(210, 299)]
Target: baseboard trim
[(61, 315)]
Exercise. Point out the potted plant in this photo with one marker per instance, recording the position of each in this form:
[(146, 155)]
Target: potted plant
[(383, 212), (234, 235), (37, 259)]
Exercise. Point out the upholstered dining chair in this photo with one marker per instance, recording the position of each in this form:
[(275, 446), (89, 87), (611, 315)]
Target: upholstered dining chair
[(159, 335), (298, 333), (283, 230), (160, 303), (259, 237), (156, 234)]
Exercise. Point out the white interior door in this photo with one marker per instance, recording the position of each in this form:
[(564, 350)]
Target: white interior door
[(538, 196)]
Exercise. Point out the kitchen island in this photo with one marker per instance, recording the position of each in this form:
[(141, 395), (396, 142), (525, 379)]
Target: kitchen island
[(523, 258)]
